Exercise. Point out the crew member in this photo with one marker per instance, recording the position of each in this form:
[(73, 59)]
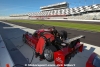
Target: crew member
[(42, 43)]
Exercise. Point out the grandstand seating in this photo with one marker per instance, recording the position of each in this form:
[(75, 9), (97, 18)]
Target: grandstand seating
[(83, 12)]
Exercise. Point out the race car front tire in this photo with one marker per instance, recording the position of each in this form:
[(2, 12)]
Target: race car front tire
[(48, 53)]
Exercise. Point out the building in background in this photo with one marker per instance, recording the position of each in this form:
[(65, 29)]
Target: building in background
[(62, 11), (57, 6)]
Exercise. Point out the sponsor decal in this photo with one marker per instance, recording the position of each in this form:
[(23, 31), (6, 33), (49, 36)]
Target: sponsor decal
[(59, 59)]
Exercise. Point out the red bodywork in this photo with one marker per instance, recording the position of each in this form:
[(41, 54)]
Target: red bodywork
[(89, 63), (32, 40), (60, 56)]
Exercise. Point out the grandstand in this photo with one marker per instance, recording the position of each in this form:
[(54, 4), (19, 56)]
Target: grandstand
[(57, 6), (62, 11)]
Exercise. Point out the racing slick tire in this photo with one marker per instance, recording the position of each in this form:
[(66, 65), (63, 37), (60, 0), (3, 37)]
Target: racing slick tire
[(48, 53), (63, 34), (24, 39)]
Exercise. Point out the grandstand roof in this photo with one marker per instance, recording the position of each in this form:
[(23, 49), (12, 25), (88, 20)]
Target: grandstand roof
[(54, 5)]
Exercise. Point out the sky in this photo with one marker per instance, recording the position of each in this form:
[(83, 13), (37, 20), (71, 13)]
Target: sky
[(10, 7)]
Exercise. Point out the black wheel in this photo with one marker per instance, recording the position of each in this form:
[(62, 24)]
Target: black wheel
[(63, 34), (48, 53), (24, 39)]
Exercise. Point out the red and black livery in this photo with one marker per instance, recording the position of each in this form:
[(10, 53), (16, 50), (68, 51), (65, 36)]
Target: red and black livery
[(60, 48)]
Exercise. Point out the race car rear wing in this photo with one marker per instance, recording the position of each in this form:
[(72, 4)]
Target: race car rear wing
[(73, 39), (61, 55)]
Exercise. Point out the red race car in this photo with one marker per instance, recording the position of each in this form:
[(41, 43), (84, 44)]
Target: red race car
[(93, 61), (59, 49)]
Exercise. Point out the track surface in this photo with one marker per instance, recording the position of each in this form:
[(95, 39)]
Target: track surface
[(21, 53), (91, 37), (68, 21)]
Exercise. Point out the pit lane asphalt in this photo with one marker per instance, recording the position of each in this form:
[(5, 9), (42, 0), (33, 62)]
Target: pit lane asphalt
[(92, 38), (13, 51)]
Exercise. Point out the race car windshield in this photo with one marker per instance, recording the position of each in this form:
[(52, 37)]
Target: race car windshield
[(96, 61)]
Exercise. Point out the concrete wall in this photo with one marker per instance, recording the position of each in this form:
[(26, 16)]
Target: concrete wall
[(10, 18), (87, 16)]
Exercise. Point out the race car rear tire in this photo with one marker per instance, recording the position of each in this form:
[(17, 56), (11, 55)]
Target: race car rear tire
[(48, 53)]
